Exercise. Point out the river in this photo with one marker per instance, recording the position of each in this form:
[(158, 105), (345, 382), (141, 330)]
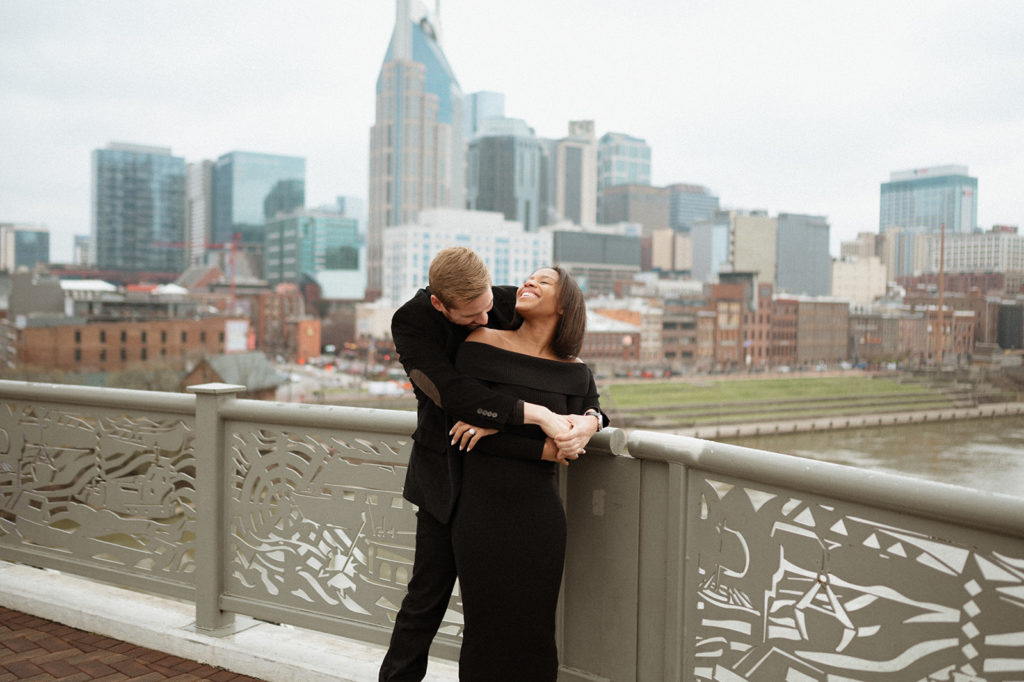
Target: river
[(986, 454)]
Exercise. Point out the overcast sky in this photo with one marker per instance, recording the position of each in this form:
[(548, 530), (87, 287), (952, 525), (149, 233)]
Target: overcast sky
[(799, 107)]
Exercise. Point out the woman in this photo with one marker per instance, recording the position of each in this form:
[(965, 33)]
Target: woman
[(508, 530)]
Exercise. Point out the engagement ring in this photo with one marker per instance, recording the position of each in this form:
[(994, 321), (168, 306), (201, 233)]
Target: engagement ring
[(472, 432)]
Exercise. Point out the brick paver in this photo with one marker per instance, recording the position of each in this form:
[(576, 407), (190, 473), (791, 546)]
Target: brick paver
[(38, 649)]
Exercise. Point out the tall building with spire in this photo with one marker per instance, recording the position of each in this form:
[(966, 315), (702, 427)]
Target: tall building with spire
[(417, 143)]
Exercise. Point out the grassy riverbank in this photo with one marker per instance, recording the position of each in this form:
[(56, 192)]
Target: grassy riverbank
[(680, 403)]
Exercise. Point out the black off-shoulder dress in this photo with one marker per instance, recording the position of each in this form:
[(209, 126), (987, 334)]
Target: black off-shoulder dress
[(508, 529)]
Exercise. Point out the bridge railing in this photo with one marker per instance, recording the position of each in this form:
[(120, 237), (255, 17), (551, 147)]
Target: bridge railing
[(687, 559)]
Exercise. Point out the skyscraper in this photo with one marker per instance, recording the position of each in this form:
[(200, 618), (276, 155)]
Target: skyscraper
[(417, 148), (576, 175), (198, 210), (481, 106), (803, 262), (621, 160), (930, 197), (506, 170), (250, 187), (319, 243), (23, 246), (688, 203), (138, 201)]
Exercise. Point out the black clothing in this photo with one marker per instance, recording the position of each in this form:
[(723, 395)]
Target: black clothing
[(508, 529), (426, 343)]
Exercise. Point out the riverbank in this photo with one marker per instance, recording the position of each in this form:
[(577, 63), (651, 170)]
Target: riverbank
[(767, 428)]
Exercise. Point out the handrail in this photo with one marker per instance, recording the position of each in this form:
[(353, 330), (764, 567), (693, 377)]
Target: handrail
[(122, 398), (931, 499)]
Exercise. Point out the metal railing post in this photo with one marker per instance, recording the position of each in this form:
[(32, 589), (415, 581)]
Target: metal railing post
[(211, 503)]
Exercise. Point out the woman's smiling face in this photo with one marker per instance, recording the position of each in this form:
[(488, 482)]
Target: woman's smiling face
[(539, 294)]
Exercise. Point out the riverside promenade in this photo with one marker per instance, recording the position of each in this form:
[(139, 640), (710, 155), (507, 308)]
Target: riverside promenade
[(828, 423)]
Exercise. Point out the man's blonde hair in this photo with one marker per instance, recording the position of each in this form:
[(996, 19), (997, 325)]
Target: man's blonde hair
[(458, 275)]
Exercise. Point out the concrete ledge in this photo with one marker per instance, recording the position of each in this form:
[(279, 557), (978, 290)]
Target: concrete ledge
[(277, 653)]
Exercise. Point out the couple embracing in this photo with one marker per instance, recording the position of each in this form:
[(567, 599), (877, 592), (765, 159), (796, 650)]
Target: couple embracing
[(502, 397)]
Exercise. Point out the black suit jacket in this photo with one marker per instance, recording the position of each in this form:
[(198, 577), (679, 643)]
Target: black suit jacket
[(426, 343)]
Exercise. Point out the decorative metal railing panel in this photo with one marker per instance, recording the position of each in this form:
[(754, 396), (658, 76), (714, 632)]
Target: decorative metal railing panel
[(318, 522), (787, 585), (104, 488)]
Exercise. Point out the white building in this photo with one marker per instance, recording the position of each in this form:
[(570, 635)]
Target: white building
[(859, 280), (511, 253), (996, 251)]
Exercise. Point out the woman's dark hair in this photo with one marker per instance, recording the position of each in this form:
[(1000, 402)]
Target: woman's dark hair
[(572, 325)]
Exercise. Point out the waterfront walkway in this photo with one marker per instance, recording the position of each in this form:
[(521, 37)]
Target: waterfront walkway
[(60, 627), (720, 431)]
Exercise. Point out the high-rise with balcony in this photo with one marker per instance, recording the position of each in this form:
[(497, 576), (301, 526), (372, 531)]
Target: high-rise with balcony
[(138, 208), (417, 146), (930, 197)]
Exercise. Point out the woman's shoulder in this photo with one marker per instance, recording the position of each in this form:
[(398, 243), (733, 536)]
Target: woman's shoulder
[(495, 363)]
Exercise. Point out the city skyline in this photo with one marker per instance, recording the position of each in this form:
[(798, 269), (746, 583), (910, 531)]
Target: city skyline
[(803, 108)]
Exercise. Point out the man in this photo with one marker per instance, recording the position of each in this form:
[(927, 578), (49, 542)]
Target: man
[(427, 331)]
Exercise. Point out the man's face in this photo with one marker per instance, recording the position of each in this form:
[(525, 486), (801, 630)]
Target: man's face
[(470, 315)]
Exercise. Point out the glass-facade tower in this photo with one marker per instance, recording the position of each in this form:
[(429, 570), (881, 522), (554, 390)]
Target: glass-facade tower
[(417, 145), (248, 188), (688, 204), (325, 245), (505, 172), (621, 160), (138, 208), (930, 197)]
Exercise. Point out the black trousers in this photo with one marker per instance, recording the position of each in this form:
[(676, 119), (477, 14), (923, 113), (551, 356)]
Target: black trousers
[(424, 605)]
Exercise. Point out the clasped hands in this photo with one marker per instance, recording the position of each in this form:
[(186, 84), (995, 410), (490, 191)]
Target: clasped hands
[(568, 434)]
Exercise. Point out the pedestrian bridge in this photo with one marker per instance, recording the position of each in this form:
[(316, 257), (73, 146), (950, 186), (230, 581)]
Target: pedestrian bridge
[(687, 559)]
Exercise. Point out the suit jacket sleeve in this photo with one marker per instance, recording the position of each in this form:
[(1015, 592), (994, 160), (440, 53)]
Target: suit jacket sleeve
[(426, 343)]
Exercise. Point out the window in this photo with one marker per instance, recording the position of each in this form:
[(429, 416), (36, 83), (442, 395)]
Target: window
[(124, 354), (78, 336), (202, 337), (143, 336), (163, 336), (124, 336), (103, 355), (184, 337), (144, 354), (78, 355), (103, 336)]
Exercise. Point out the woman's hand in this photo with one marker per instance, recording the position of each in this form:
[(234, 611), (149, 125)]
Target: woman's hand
[(467, 435), (552, 424), (571, 443)]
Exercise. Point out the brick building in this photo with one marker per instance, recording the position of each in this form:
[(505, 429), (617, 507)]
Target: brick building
[(75, 346)]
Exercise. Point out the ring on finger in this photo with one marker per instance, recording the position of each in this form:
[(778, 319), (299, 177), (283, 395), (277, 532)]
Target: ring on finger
[(472, 432)]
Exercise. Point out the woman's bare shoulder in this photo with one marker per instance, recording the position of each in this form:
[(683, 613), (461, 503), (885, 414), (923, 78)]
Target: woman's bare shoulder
[(492, 337)]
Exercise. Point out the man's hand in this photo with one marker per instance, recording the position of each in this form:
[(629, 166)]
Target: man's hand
[(467, 435), (551, 453), (572, 442)]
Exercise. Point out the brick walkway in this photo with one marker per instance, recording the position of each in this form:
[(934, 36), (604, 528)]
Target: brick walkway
[(36, 649)]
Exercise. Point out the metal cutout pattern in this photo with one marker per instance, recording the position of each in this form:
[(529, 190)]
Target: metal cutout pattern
[(103, 488), (319, 523), (793, 587)]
